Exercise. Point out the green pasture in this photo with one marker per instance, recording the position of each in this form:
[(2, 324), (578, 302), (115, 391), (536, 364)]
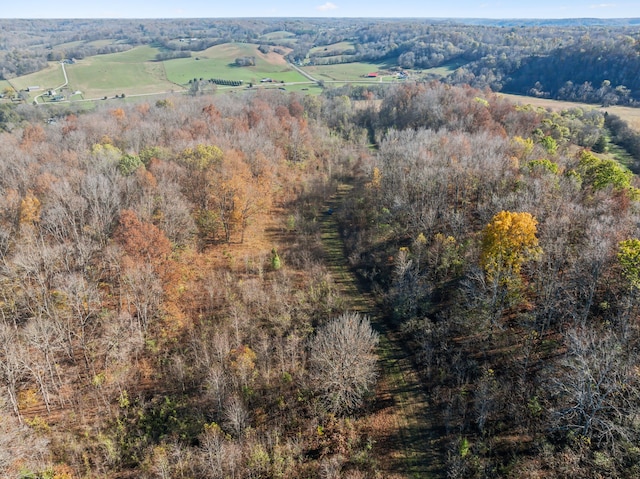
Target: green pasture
[(446, 68), (68, 45), (333, 48), (103, 43), (348, 71), (130, 72), (137, 72), (278, 35), (50, 77), (219, 62), (72, 45)]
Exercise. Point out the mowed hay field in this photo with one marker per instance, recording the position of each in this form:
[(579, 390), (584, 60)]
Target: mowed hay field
[(628, 114), (334, 48), (219, 62), (348, 71), (131, 72), (136, 72), (50, 77)]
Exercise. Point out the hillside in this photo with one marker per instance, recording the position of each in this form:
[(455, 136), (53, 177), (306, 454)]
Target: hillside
[(240, 285)]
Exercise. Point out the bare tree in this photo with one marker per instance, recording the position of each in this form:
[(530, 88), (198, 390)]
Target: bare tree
[(12, 367), (143, 292), (342, 362), (599, 391), (236, 416)]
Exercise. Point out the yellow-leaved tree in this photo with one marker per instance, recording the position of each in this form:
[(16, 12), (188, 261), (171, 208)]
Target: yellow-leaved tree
[(508, 242)]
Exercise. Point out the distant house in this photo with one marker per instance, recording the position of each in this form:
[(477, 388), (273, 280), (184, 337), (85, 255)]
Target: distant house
[(33, 88), (266, 80), (372, 75)]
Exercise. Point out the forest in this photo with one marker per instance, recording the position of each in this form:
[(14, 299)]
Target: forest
[(593, 61), (168, 306)]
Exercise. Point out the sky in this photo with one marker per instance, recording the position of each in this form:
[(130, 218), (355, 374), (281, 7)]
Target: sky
[(320, 8)]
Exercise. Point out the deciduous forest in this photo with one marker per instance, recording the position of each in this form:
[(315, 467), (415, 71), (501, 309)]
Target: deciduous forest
[(172, 303)]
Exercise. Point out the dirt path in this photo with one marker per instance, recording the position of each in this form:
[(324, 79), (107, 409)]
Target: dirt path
[(408, 443)]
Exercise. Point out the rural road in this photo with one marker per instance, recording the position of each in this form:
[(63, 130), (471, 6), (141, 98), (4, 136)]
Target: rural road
[(66, 82), (302, 72)]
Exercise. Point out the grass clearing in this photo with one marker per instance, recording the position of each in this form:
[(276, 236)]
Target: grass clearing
[(130, 72), (136, 72), (277, 35), (627, 113), (405, 425), (446, 68), (335, 48), (219, 62), (50, 77), (348, 71)]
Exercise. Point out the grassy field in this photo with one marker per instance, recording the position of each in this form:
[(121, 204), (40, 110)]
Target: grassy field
[(278, 35), (446, 68), (130, 72), (347, 71), (335, 48), (135, 72), (628, 114), (50, 77), (218, 62)]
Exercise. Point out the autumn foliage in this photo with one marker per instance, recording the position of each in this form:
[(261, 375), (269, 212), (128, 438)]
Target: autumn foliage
[(509, 241)]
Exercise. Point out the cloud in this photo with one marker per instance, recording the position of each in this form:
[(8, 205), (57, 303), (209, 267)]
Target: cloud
[(603, 5), (326, 7)]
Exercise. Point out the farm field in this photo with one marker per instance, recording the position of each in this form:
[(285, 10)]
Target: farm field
[(136, 72), (445, 69), (347, 71), (628, 114), (278, 35), (335, 48), (62, 47), (218, 62), (130, 72), (50, 77)]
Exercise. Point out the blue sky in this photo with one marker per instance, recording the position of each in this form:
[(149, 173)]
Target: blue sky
[(319, 8)]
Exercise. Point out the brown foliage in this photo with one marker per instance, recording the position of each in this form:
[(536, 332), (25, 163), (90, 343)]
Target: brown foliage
[(141, 241)]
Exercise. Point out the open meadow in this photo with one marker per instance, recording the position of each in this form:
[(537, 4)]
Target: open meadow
[(333, 49), (137, 72), (50, 77), (628, 114), (219, 62), (131, 72), (349, 71)]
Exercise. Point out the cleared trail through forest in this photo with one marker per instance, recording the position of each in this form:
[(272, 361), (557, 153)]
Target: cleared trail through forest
[(404, 424)]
